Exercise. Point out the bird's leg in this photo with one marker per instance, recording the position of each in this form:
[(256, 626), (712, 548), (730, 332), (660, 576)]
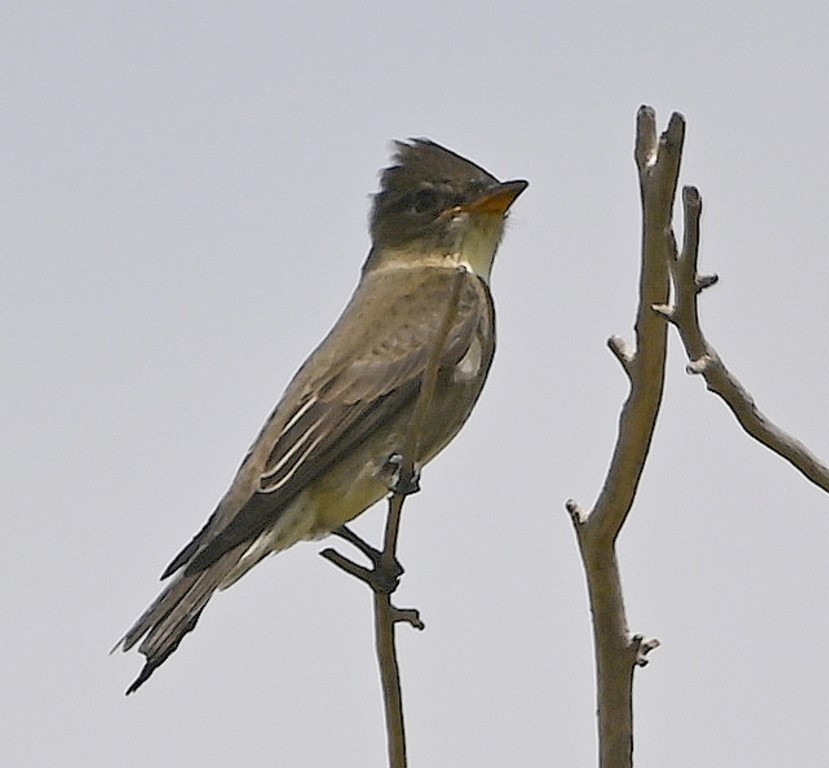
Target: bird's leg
[(386, 579), (400, 484), (345, 533)]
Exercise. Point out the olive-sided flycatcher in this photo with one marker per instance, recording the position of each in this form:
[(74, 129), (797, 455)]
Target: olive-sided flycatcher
[(327, 452)]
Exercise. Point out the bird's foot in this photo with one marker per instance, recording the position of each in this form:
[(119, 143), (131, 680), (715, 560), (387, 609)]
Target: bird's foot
[(401, 482), (382, 576)]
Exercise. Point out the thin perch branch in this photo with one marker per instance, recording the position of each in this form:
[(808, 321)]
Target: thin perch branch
[(384, 577), (705, 361), (617, 652)]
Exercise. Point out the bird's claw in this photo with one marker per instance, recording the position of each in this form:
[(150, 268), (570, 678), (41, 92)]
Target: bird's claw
[(405, 486), (382, 577)]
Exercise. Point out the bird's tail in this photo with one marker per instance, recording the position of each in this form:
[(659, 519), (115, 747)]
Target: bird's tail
[(175, 613)]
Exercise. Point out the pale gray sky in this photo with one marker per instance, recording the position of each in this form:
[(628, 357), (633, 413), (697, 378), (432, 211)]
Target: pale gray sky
[(184, 201)]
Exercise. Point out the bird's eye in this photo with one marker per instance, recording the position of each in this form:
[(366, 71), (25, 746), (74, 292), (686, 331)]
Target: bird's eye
[(425, 201)]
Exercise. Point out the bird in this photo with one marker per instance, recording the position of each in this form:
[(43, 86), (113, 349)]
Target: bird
[(332, 446)]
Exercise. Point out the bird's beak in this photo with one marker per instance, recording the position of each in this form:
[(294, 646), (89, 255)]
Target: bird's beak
[(497, 200)]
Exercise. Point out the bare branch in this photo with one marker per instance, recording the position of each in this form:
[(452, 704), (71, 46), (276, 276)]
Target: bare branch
[(704, 360), (658, 164), (617, 653)]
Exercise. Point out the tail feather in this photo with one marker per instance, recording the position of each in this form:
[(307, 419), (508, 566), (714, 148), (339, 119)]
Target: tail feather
[(175, 613)]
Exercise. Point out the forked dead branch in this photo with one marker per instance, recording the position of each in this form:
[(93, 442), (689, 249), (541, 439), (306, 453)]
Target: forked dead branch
[(669, 287)]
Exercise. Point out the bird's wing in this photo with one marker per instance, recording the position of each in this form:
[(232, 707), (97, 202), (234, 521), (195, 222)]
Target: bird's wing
[(355, 381)]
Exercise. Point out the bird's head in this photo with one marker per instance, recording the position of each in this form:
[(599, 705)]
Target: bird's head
[(435, 204)]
